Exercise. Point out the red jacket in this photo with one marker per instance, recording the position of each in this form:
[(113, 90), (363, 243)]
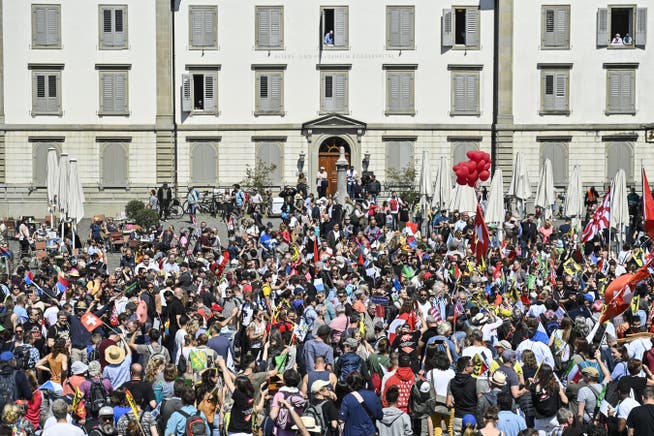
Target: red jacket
[(404, 380)]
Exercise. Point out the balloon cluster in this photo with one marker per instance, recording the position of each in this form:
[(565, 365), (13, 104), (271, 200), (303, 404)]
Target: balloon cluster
[(477, 168)]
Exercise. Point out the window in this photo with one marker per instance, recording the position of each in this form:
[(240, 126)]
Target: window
[(400, 90), (46, 26), (271, 153), (620, 155), (621, 27), (333, 91), (621, 91), (113, 93), (557, 153), (400, 27), (554, 92), (200, 92), (113, 165), (460, 150), (269, 28), (113, 27), (204, 164), (269, 93), (399, 156), (46, 93), (465, 93), (203, 27), (555, 27), (334, 21), (460, 28), (40, 162)]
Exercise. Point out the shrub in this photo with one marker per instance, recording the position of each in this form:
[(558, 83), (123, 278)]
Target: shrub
[(147, 218), (133, 207), (259, 175)]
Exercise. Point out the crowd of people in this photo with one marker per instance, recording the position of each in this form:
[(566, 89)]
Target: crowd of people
[(330, 323)]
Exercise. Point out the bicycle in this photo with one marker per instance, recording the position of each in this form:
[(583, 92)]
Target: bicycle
[(175, 209)]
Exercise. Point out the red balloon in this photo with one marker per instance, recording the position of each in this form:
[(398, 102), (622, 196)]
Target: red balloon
[(471, 154), (463, 171), (461, 180), (487, 165), (484, 175), (473, 175), (472, 183), (486, 156), (480, 165)]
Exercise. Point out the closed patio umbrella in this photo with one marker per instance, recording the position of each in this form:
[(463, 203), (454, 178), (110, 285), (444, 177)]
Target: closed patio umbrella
[(62, 195), (545, 192), (464, 199), (574, 196), (76, 195), (619, 206), (519, 187), (425, 183), (53, 182), (442, 185)]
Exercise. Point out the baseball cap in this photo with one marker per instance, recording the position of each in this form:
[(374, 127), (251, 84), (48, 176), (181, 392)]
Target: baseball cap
[(317, 385), (106, 410), (6, 356), (509, 354), (216, 308), (349, 342), (430, 319), (504, 344), (469, 420), (590, 371)]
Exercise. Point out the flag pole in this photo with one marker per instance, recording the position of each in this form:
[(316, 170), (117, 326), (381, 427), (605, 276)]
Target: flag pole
[(611, 187)]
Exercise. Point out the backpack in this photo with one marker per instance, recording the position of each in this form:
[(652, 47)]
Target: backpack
[(198, 359), (23, 357), (194, 425), (8, 389), (315, 412), (284, 420), (155, 354), (99, 397), (550, 324), (422, 401), (545, 404), (182, 365), (349, 362)]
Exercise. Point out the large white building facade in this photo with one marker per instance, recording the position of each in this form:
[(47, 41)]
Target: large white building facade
[(142, 92)]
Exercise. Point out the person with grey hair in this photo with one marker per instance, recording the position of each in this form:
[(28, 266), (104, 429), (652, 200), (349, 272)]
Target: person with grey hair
[(62, 425), (566, 420)]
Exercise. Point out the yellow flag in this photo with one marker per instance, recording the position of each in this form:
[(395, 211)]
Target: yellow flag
[(78, 405), (571, 267), (132, 403), (635, 304)]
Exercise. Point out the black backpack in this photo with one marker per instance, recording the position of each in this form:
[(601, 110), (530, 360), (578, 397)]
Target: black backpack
[(315, 411), (8, 389), (99, 397), (194, 424)]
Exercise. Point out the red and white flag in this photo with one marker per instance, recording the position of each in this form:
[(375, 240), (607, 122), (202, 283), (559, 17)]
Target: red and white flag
[(90, 321), (601, 219), (648, 207), (481, 235), (618, 294)]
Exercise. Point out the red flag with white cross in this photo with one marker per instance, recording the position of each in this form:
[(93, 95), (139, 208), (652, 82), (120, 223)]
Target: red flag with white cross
[(90, 321)]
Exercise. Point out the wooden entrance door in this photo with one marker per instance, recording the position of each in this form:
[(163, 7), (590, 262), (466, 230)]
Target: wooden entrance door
[(327, 157)]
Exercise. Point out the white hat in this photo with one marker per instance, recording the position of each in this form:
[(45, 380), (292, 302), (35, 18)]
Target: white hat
[(317, 385), (310, 424)]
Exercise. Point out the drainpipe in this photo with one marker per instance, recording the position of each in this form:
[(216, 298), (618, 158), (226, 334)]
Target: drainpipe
[(174, 96), (496, 66)]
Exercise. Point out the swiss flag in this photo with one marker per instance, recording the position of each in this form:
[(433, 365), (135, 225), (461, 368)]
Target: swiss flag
[(618, 294), (90, 321), (481, 235), (648, 207)]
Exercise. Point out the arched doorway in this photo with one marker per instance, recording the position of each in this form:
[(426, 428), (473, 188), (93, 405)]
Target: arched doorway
[(328, 154)]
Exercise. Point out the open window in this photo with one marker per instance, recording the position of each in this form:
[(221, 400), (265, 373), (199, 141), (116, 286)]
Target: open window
[(334, 27), (621, 26), (460, 28), (199, 92)]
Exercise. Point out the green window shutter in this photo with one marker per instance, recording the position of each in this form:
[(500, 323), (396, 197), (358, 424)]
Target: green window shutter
[(472, 28), (603, 31), (187, 101), (52, 26), (447, 28), (340, 27), (641, 27), (210, 99)]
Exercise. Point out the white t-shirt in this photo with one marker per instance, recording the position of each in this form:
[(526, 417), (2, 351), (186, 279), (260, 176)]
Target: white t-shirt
[(483, 352), (51, 314), (625, 406), (440, 379), (179, 342), (63, 428)]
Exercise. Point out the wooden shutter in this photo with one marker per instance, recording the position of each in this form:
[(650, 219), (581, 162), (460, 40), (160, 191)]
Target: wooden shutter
[(393, 91), (327, 86), (621, 90), (393, 36), (38, 93), (641, 27), (107, 85), (557, 153), (620, 155), (262, 38), (271, 154), (107, 38), (204, 163), (548, 91), (39, 24), (459, 93), (120, 21), (187, 100), (561, 32), (203, 26), (276, 92), (603, 32), (210, 80), (561, 91), (406, 94), (114, 166), (52, 101), (447, 31), (211, 27), (340, 92), (466, 93), (340, 27), (276, 28), (472, 27), (40, 163), (52, 26), (120, 92), (549, 27), (407, 31), (399, 155)]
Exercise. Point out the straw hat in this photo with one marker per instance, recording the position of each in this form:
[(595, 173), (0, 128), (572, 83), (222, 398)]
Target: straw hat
[(310, 424), (114, 355)]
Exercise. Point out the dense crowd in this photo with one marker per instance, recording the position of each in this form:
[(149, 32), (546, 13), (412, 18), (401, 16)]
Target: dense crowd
[(337, 321)]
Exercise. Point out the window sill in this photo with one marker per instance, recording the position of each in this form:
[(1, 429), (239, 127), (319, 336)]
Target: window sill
[(620, 113), (269, 48), (47, 47), (621, 47), (401, 48), (265, 114), (335, 47), (208, 48), (114, 114), (464, 47), (47, 114), (544, 47), (465, 114), (327, 112), (113, 48), (411, 113), (557, 112), (197, 112)]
